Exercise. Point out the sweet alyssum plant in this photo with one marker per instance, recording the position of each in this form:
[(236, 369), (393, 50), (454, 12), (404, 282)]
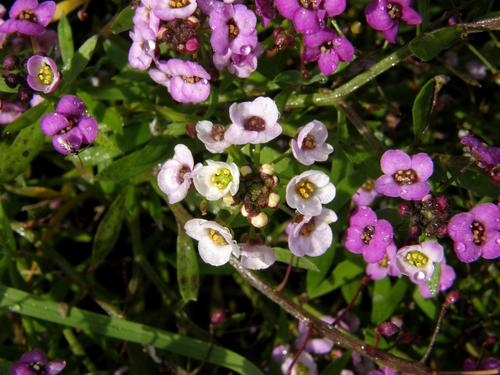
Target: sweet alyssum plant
[(207, 183)]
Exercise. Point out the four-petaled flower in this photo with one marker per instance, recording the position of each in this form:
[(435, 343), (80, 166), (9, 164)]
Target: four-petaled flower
[(42, 74), (175, 176), (28, 17), (310, 144), (216, 179), (215, 242), (308, 191), (417, 261), (386, 266), (404, 176), (36, 362), (212, 136)]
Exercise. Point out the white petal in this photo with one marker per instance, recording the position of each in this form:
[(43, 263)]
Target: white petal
[(194, 228)]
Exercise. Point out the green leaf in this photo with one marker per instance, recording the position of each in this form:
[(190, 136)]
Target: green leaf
[(123, 21), (65, 36), (108, 230), (26, 304), (5, 88), (428, 46), (16, 158), (323, 263), (139, 161), (428, 306), (79, 61), (284, 255), (28, 117), (187, 267), (8, 243), (107, 117), (433, 283), (386, 298), (294, 78), (343, 273)]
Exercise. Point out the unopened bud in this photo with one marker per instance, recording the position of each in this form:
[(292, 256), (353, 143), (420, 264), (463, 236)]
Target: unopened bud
[(11, 80), (191, 130), (273, 200), (10, 62), (192, 45), (229, 200), (24, 94), (387, 329), (404, 209), (452, 297), (245, 170), (218, 317), (243, 211), (397, 321), (260, 220), (267, 169), (490, 341)]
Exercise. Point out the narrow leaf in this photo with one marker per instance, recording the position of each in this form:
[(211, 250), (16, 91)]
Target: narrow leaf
[(428, 46), (16, 158), (386, 298), (343, 273), (433, 283), (27, 118), (26, 304), (108, 231), (123, 21), (187, 267), (65, 36), (284, 255), (79, 61), (422, 107), (428, 306)]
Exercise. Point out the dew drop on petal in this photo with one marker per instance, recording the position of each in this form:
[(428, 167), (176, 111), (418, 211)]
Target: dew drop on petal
[(420, 275), (204, 81), (460, 247), (245, 50)]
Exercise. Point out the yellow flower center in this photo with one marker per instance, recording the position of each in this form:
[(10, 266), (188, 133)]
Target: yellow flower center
[(28, 15), (178, 3), (384, 262), (477, 230), (221, 178), (417, 258), (309, 143), (302, 369), (305, 189), (45, 74), (405, 177), (368, 185), (216, 237)]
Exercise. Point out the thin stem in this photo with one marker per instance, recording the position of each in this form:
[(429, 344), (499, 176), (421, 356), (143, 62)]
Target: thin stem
[(474, 372), (481, 57), (282, 156), (326, 330), (361, 285), (301, 350), (280, 287), (442, 313)]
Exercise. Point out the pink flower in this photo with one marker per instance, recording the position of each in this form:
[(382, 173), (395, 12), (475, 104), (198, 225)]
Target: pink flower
[(186, 81), (175, 177), (328, 49), (476, 233), (10, 111), (256, 256), (168, 10), (404, 176), (212, 136), (417, 261), (384, 15), (42, 74), (36, 362), (446, 279), (253, 122), (310, 144), (367, 235), (366, 194), (386, 266), (28, 17)]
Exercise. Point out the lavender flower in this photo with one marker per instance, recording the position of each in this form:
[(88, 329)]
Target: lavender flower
[(366, 194), (308, 15), (186, 81), (28, 17), (328, 49), (304, 365), (417, 261), (240, 64), (311, 235), (404, 176), (384, 267), (446, 279), (310, 144), (265, 9), (42, 74), (476, 233), (384, 15), (315, 345), (256, 256), (486, 156), (175, 178), (69, 127), (171, 9), (216, 179), (253, 122), (146, 28), (308, 191), (215, 242), (367, 235), (36, 362), (212, 136), (9, 111)]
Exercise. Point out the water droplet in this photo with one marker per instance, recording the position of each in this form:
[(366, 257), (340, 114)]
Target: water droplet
[(150, 46), (204, 81), (420, 275), (404, 191), (245, 50), (15, 307), (363, 347)]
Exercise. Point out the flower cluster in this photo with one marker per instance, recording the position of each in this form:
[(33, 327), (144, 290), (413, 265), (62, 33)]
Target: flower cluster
[(36, 362)]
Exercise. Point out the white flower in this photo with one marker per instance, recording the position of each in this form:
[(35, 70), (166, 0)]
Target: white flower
[(216, 179), (256, 256), (308, 191), (417, 261), (215, 242), (212, 136), (310, 144), (253, 122), (175, 178)]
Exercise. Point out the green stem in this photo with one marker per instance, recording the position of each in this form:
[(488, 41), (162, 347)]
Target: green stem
[(77, 348), (282, 156), (481, 57)]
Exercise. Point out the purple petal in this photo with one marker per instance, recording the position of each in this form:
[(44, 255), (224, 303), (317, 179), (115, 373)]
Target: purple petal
[(377, 16), (20, 5), (459, 226), (334, 7), (467, 252), (415, 192), (363, 217), (70, 105), (328, 62), (67, 142), (287, 8), (353, 241), (44, 12), (89, 129), (491, 248), (21, 26), (376, 271), (488, 214), (391, 34), (36, 355), (343, 48), (387, 186), (394, 160), (411, 17), (53, 123), (55, 367), (423, 165), (306, 21)]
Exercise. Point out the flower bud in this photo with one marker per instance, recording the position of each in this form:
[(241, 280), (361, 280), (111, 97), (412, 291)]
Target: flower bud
[(404, 209), (267, 169), (273, 200), (387, 329), (243, 211), (218, 316), (24, 94), (192, 45), (490, 341), (11, 80), (10, 62), (245, 170), (260, 220), (452, 297)]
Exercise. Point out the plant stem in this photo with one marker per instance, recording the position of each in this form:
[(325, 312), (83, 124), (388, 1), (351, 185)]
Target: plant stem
[(282, 156), (444, 307), (325, 329)]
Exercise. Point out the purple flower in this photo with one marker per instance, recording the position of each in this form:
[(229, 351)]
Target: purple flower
[(384, 267), (239, 64), (36, 362), (28, 17), (315, 345), (384, 15), (186, 81), (256, 256), (253, 122), (328, 49), (265, 9), (142, 50), (308, 191), (308, 15), (486, 157), (476, 69), (174, 178), (310, 144), (404, 176), (212, 135), (304, 365), (69, 127), (42, 74), (366, 194), (311, 235), (10, 111), (417, 261), (168, 10), (367, 235), (383, 371), (446, 279), (476, 233)]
